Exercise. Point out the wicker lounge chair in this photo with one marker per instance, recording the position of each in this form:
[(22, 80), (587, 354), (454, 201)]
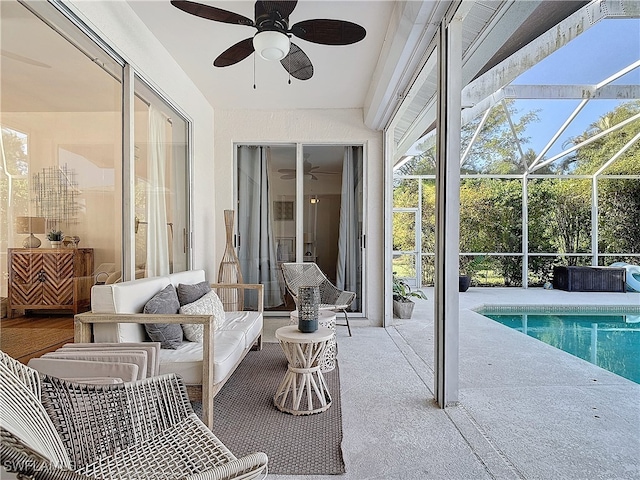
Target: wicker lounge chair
[(55, 429), (308, 274)]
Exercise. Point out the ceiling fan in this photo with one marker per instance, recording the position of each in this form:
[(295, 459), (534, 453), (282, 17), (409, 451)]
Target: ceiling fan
[(273, 38), (309, 170)]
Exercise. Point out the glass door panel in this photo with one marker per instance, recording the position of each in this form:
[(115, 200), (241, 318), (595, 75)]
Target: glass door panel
[(161, 219), (266, 196), (405, 245), (326, 229), (332, 214), (61, 137)]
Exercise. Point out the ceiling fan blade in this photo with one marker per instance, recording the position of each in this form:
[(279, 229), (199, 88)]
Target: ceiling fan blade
[(329, 32), (211, 13), (297, 63), (284, 7), (235, 53)]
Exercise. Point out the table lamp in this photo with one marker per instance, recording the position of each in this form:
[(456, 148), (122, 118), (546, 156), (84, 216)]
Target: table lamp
[(30, 225)]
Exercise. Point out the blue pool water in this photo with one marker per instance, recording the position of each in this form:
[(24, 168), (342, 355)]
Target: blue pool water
[(609, 339)]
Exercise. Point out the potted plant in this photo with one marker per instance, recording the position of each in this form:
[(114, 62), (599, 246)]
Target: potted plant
[(402, 303), (55, 237), (469, 269)]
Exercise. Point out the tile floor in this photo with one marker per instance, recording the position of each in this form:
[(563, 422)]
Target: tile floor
[(527, 410)]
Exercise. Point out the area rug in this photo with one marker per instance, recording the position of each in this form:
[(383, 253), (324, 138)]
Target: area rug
[(246, 420)]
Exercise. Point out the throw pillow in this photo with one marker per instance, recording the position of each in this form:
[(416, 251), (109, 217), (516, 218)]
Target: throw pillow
[(209, 304), (190, 293), (168, 334)]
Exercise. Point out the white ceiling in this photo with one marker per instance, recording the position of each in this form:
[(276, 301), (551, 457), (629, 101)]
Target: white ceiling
[(342, 74)]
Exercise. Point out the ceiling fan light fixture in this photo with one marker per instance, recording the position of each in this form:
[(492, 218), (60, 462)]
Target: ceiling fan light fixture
[(271, 45)]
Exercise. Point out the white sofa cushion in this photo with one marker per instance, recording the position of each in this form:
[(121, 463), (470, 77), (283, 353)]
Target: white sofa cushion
[(125, 297), (249, 323), (72, 369), (138, 357), (186, 360), (131, 297), (152, 349)]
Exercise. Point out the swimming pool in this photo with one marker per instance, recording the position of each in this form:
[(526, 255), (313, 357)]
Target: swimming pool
[(605, 336)]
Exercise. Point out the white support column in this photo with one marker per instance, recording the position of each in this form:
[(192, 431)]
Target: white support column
[(594, 221), (446, 327), (299, 215), (387, 319), (525, 230)]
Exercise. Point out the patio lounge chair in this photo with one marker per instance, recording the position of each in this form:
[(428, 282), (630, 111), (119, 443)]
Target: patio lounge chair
[(55, 429), (308, 274)]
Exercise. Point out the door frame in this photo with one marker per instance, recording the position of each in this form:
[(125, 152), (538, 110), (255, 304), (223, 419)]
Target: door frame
[(416, 281), (299, 212)]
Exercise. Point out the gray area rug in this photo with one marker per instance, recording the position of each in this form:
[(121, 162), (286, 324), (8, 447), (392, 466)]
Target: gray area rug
[(246, 420)]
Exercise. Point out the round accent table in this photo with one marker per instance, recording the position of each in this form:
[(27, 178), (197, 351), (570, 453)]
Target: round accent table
[(303, 390), (326, 318)]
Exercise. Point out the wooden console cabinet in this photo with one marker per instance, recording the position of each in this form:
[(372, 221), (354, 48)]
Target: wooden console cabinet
[(49, 279)]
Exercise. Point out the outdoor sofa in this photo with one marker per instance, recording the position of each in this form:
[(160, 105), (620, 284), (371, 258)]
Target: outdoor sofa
[(117, 316)]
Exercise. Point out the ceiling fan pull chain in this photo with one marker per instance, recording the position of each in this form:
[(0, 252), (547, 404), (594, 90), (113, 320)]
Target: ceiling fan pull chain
[(254, 70), (289, 68)]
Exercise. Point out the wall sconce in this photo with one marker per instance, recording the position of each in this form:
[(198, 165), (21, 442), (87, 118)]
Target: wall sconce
[(30, 225)]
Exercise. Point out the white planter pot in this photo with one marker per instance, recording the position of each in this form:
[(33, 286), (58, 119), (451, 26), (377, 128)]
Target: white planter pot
[(403, 309)]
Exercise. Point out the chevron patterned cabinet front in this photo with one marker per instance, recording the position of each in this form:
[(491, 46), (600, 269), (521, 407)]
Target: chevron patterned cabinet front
[(50, 279)]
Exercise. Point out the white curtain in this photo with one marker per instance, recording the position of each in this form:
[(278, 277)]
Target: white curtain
[(348, 268), (157, 232), (257, 253), (178, 216)]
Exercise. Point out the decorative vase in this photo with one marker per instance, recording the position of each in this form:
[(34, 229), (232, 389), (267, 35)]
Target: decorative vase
[(308, 308), (55, 243), (229, 271)]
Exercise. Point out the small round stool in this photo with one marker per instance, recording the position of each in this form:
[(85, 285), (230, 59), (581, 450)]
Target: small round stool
[(304, 379)]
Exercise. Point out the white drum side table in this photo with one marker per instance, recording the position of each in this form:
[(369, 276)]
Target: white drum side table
[(303, 390), (326, 318)]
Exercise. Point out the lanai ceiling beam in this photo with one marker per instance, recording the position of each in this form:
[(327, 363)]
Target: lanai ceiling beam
[(587, 141), (531, 54), (571, 92)]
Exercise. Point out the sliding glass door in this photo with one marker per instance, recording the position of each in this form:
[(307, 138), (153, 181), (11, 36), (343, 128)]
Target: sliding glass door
[(160, 164), (61, 140), (300, 203), (62, 165)]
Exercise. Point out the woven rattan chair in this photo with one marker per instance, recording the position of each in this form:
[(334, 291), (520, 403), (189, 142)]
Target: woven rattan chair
[(308, 274), (55, 429)]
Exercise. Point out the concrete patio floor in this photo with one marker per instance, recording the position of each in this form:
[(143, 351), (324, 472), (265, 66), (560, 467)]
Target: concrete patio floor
[(527, 410)]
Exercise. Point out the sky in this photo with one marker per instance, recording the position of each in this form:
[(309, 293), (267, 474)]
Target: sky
[(602, 50)]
